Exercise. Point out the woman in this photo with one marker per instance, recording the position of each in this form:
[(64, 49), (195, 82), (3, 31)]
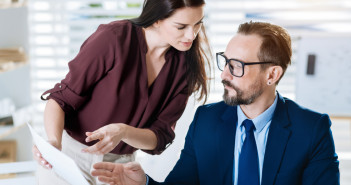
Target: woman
[(128, 86)]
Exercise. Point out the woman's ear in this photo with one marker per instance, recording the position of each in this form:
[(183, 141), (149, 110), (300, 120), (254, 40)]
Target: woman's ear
[(273, 74), (156, 24)]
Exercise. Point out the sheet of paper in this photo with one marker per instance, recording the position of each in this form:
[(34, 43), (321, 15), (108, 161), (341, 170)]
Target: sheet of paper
[(63, 165)]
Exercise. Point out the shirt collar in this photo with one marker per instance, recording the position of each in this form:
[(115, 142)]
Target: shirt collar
[(261, 120)]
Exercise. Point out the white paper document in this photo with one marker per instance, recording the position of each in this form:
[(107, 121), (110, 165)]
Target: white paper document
[(63, 165)]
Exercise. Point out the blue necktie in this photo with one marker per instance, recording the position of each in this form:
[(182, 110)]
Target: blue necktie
[(248, 173)]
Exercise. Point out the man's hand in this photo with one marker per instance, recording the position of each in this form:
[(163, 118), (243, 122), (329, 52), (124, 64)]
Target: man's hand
[(120, 174)]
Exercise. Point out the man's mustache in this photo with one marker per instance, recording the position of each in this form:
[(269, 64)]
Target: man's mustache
[(227, 83)]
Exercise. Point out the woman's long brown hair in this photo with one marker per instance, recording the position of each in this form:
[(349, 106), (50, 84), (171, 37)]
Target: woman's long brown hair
[(198, 57)]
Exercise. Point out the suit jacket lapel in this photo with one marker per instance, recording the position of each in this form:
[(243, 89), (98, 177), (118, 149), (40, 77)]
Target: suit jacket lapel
[(225, 138), (277, 140)]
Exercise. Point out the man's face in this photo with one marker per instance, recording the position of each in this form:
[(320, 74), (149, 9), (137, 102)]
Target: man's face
[(245, 89)]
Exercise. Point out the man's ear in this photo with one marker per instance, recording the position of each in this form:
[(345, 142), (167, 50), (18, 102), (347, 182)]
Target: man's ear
[(273, 74)]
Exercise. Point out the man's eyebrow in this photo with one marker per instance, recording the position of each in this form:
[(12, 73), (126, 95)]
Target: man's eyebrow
[(188, 24)]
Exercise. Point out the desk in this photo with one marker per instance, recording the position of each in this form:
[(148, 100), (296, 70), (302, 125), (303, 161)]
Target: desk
[(341, 118), (24, 173)]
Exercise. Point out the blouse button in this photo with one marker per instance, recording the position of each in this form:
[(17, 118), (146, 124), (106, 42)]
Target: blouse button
[(60, 86)]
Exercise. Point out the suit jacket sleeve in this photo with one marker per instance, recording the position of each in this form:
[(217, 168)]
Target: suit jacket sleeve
[(185, 171), (323, 166)]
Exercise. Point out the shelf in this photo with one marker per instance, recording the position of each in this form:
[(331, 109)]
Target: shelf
[(11, 58), (8, 130), (8, 66), (13, 5)]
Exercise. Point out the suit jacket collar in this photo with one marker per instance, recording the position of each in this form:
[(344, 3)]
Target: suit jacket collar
[(278, 137), (225, 143)]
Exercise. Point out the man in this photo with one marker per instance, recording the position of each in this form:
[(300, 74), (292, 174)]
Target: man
[(255, 136)]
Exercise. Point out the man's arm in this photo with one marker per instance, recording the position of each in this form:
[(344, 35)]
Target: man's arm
[(185, 171), (323, 166), (117, 173)]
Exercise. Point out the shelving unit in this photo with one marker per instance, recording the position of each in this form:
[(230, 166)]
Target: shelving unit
[(15, 84)]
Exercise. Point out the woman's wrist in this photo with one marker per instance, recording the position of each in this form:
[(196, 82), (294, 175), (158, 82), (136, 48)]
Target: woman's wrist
[(124, 130), (55, 142), (138, 137)]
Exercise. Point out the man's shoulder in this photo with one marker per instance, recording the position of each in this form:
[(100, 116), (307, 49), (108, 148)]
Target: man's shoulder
[(214, 112), (295, 107), (213, 108), (208, 118), (298, 114)]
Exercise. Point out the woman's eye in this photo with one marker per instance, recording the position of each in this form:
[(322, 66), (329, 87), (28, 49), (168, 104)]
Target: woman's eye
[(180, 28)]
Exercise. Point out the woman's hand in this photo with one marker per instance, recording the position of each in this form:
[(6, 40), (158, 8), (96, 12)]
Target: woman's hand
[(39, 158), (121, 174), (109, 137)]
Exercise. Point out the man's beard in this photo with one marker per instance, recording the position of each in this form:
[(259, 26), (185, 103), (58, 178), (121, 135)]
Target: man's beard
[(241, 97)]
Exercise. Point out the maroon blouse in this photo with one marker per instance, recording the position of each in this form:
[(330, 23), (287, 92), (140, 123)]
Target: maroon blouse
[(107, 83)]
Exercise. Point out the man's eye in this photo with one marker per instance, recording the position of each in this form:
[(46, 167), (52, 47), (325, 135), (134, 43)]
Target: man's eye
[(180, 28), (237, 65)]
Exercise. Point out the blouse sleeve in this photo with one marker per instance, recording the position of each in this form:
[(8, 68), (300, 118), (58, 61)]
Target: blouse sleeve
[(164, 125), (94, 60)]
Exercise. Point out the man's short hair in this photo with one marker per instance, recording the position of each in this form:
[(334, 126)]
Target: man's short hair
[(276, 43)]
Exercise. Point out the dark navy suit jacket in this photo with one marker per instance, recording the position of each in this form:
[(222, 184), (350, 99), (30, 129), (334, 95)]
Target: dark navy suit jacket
[(300, 148)]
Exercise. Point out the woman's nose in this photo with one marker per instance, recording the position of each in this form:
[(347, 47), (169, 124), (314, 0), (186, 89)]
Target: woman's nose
[(190, 34)]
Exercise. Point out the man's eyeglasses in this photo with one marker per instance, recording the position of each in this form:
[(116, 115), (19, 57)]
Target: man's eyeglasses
[(236, 67)]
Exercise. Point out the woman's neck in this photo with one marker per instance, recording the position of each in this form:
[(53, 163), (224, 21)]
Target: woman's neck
[(156, 47)]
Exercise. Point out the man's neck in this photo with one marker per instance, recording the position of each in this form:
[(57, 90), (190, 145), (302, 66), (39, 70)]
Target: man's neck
[(260, 104)]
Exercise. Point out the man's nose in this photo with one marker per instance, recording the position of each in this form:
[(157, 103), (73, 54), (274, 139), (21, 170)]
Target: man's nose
[(226, 75)]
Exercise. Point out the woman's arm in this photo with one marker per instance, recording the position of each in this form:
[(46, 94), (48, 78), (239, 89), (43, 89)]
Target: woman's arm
[(54, 122), (54, 118), (140, 138)]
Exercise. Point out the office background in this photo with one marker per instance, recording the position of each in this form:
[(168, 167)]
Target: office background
[(45, 35)]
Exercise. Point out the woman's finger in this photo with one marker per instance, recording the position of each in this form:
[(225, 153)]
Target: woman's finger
[(95, 136), (38, 157), (36, 153), (95, 149), (88, 133), (107, 148)]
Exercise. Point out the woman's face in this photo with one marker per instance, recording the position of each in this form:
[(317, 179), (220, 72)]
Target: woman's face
[(180, 29)]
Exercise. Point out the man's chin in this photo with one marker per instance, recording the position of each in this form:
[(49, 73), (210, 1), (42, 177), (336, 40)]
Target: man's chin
[(230, 100), (230, 93)]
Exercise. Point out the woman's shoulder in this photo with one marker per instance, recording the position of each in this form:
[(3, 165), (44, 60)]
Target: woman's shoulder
[(120, 28)]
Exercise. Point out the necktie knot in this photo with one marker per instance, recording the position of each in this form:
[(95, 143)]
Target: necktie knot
[(249, 126)]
